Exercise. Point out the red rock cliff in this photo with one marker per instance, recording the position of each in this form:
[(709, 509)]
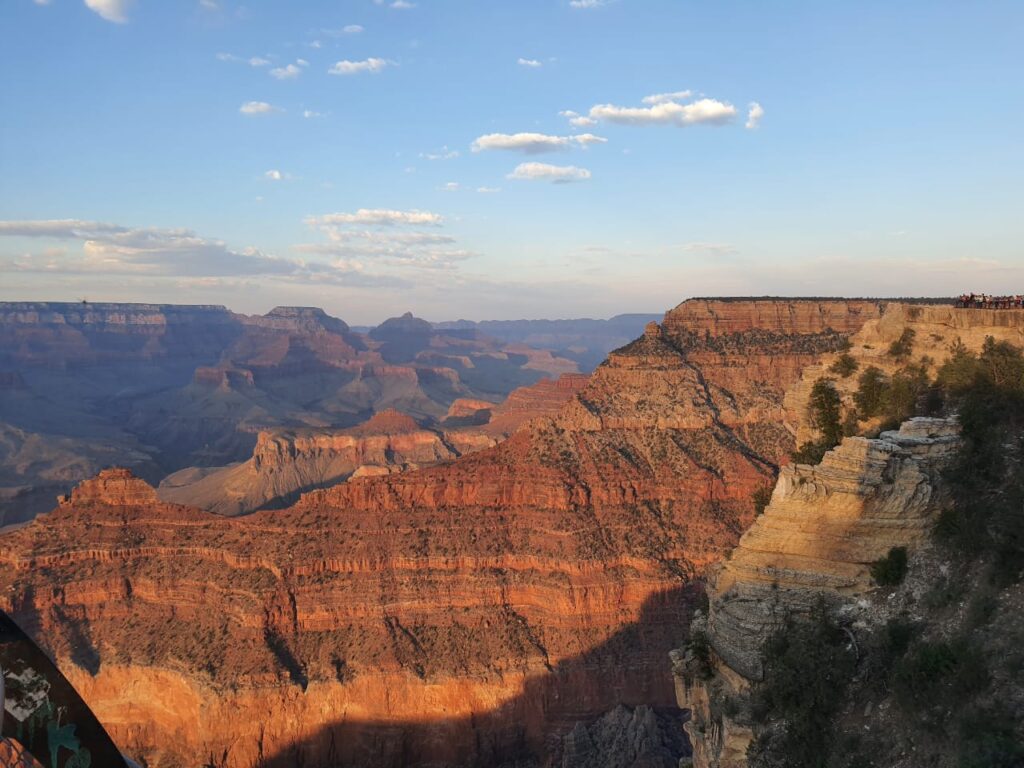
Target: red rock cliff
[(460, 614)]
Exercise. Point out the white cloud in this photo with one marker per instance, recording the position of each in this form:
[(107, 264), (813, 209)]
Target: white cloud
[(451, 186), (274, 175), (661, 98), (110, 249), (258, 108), (352, 29), (488, 190), (41, 2), (372, 65), (533, 143), (576, 120), (587, 3), (227, 57), (378, 217), (559, 174), (288, 72), (209, 5), (443, 154), (709, 111), (111, 10), (530, 63), (754, 115), (402, 4), (383, 237), (309, 113), (258, 61)]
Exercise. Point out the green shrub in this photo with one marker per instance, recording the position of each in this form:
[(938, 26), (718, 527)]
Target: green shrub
[(807, 666), (891, 569), (844, 365), (824, 408), (870, 393), (810, 452), (987, 739), (938, 673), (761, 498), (904, 345)]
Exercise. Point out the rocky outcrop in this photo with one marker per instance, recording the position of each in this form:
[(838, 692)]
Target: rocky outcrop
[(935, 329), (469, 612), (285, 464), (824, 527)]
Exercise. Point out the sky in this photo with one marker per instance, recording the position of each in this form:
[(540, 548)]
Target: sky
[(495, 159)]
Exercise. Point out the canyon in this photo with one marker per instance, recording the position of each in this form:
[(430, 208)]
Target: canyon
[(472, 612), (161, 388)]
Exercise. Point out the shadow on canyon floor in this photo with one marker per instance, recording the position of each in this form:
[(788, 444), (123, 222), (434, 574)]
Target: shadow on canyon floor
[(631, 668)]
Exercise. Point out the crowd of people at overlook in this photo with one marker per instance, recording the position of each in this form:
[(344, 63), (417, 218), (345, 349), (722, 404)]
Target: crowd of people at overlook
[(987, 301)]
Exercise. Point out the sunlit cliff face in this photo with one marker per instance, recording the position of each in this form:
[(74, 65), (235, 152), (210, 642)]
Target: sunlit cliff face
[(469, 611)]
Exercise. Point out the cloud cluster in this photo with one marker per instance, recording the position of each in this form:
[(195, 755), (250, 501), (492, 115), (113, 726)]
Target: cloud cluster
[(386, 238), (534, 143), (529, 63), (557, 174), (373, 65), (111, 249)]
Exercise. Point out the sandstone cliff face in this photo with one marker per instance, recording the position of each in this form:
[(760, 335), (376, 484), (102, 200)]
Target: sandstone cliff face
[(286, 463), (467, 613), (935, 329), (824, 526)]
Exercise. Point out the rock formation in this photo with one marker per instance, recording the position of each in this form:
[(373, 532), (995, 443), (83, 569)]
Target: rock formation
[(164, 387), (824, 527), (470, 612), (285, 464)]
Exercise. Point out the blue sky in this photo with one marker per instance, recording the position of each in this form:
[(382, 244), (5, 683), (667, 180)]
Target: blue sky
[(537, 158)]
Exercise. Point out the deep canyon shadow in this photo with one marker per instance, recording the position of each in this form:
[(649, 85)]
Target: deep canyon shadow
[(631, 668)]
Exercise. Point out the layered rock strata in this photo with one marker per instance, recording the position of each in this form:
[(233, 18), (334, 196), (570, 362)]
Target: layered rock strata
[(468, 613), (824, 527)]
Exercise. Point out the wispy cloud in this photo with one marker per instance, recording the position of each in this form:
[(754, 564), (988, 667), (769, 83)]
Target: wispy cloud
[(587, 3), (558, 174), (703, 111), (372, 65), (754, 114), (661, 98), (378, 217), (387, 238), (442, 154), (488, 190), (274, 175), (111, 10), (530, 63), (259, 61), (253, 108), (533, 143), (111, 249), (310, 113), (289, 72)]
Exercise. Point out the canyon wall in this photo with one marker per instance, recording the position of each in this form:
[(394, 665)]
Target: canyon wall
[(819, 535), (470, 613)]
